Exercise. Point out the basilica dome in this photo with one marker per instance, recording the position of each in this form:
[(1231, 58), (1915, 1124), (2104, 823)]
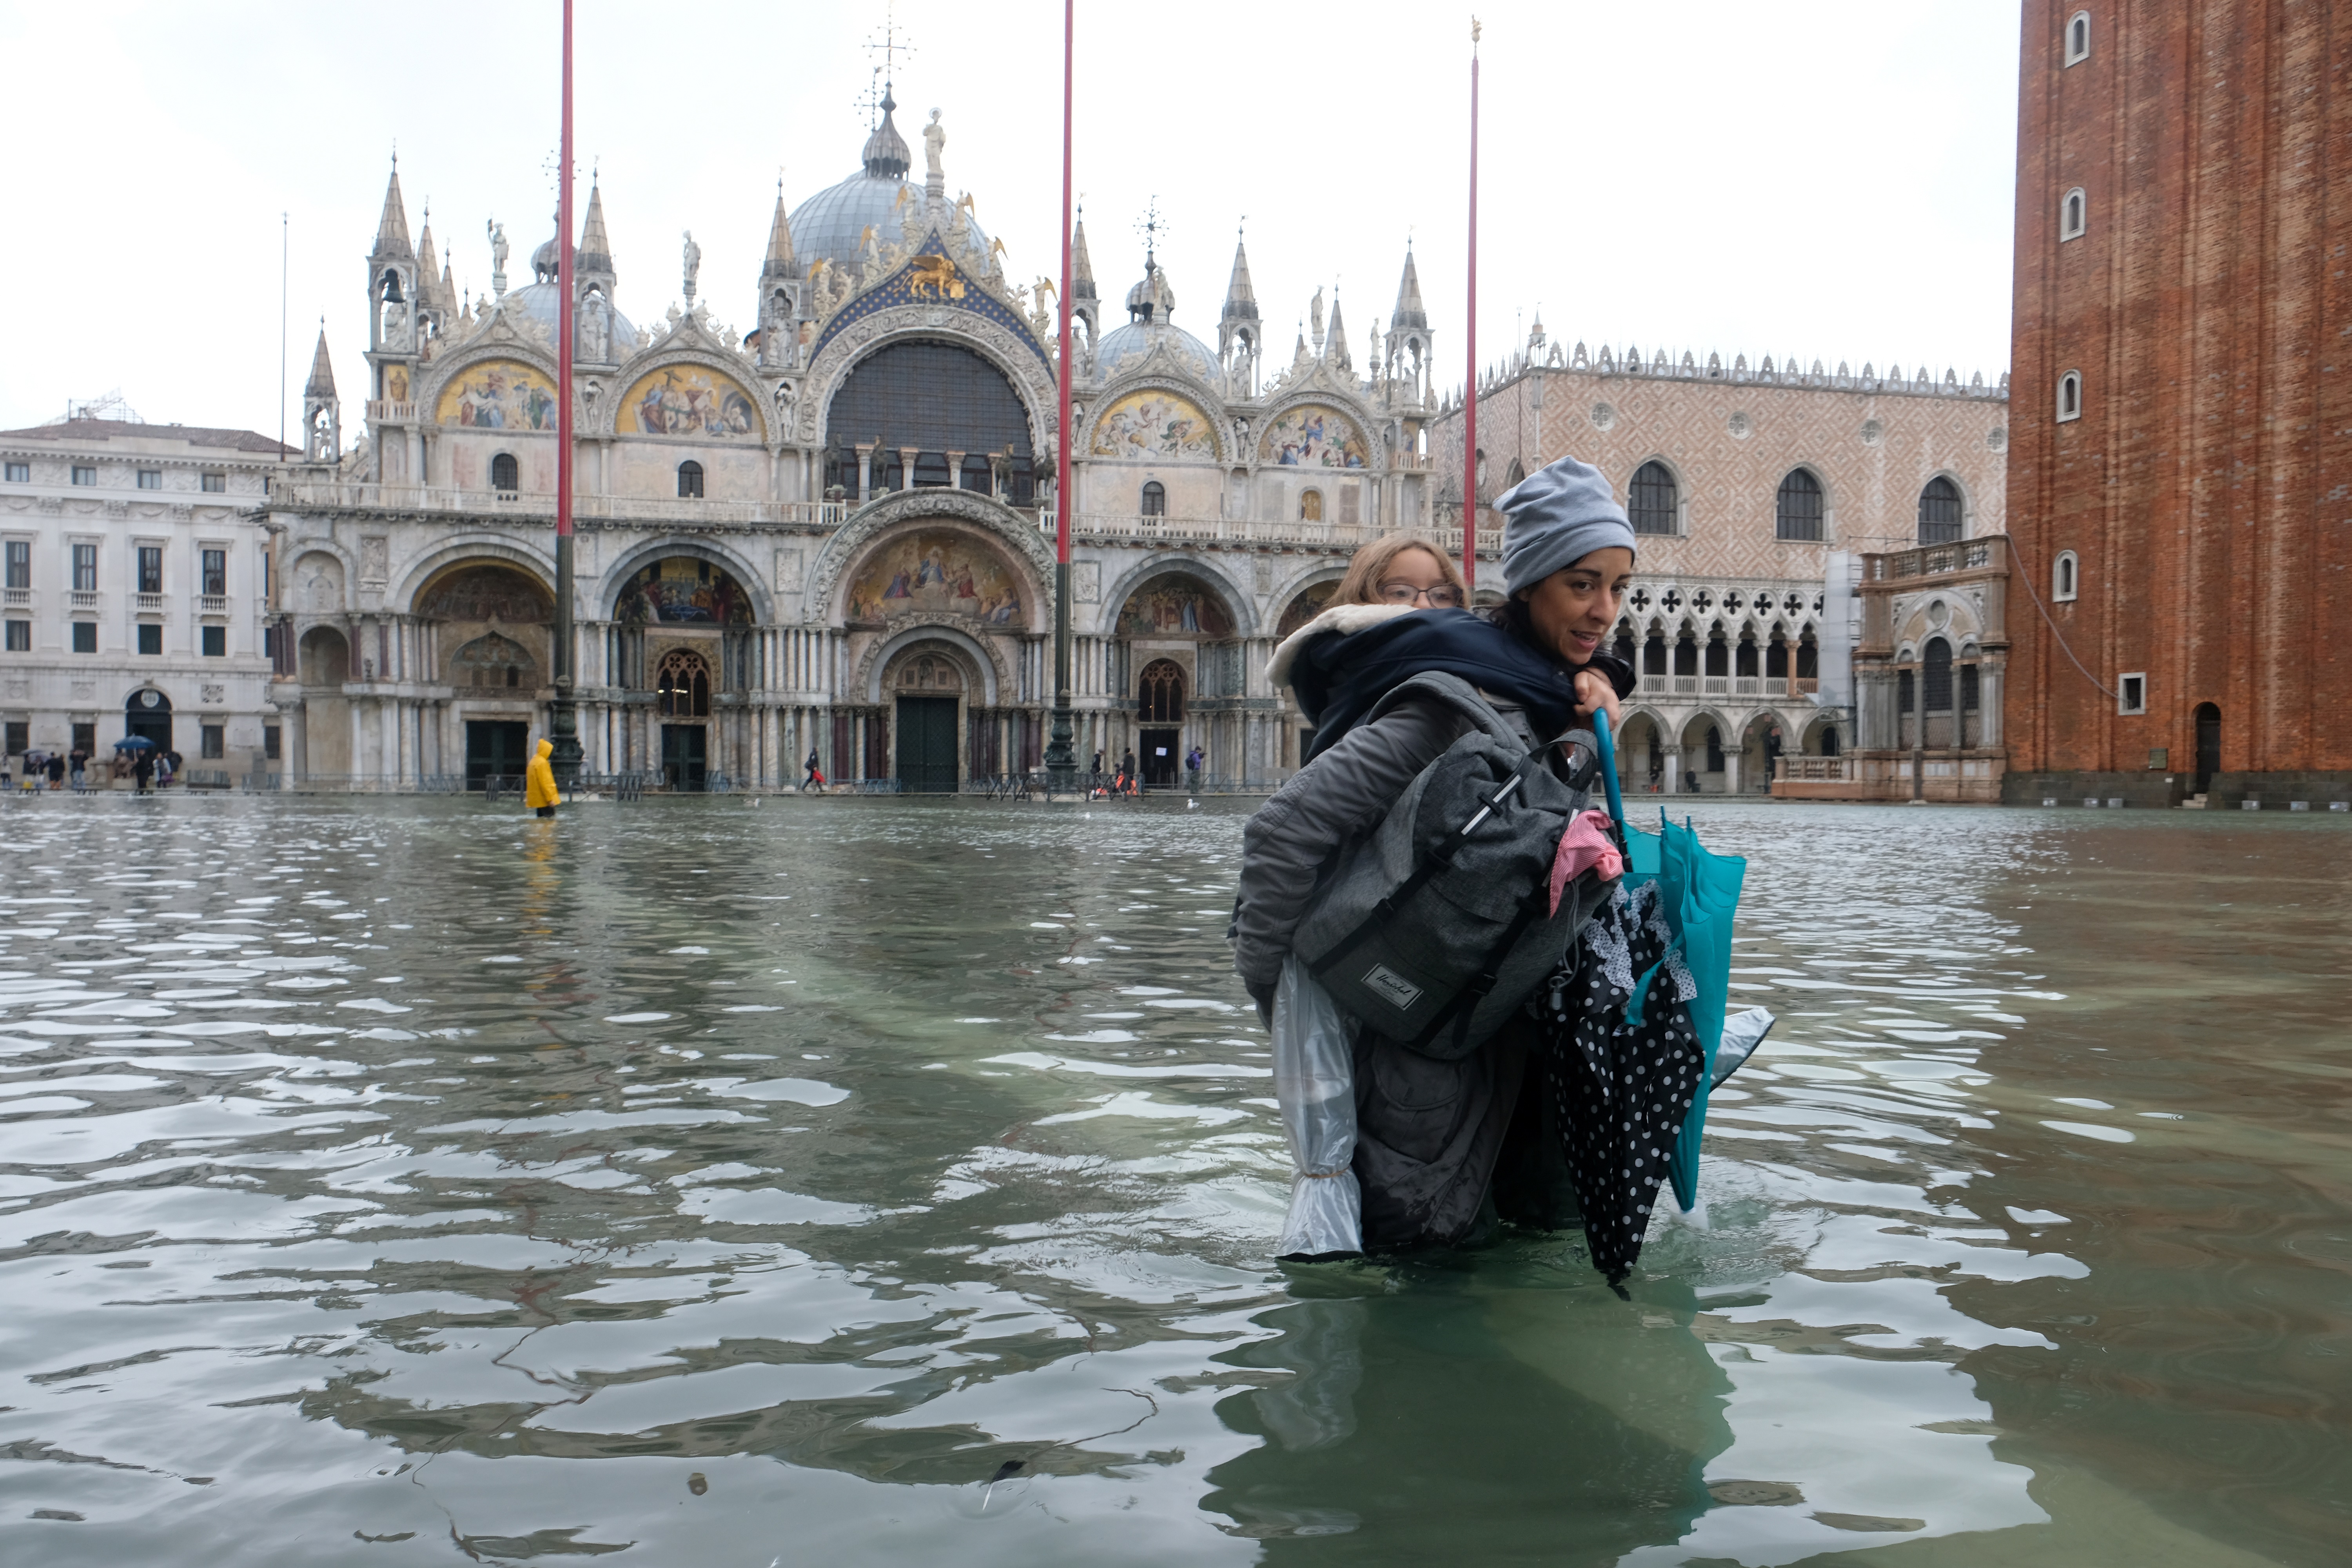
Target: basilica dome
[(829, 225), (1136, 339), (540, 301), (1148, 305)]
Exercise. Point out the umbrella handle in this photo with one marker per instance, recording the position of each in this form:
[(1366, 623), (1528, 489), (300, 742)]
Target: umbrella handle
[(1608, 750)]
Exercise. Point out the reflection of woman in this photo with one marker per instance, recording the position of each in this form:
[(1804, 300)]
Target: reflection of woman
[(1433, 1134)]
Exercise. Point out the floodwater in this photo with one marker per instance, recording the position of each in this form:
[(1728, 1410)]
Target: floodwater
[(891, 1182)]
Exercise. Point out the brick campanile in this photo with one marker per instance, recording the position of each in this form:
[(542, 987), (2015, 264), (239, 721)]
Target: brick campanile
[(2181, 423)]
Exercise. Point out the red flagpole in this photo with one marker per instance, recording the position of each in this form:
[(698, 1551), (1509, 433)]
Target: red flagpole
[(1061, 755), (1470, 397), (563, 306), (563, 723), (1062, 430)]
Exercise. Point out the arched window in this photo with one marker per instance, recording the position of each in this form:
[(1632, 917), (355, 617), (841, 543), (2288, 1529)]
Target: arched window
[(2069, 396), (1718, 653), (933, 397), (1936, 676), (1743, 658), (2078, 38), (2063, 574), (1624, 644), (682, 690), (1514, 474), (1687, 653), (1714, 750), (1971, 688), (1155, 499), (1652, 500), (1830, 742), (1161, 687), (1797, 513), (1905, 685), (1654, 653), (689, 481), (1310, 506), (506, 474), (1940, 513), (2073, 215)]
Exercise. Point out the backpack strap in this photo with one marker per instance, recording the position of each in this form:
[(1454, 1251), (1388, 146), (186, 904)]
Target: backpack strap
[(1455, 693)]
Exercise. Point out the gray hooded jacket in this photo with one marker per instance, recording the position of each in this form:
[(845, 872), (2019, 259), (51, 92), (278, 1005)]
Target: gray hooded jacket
[(1428, 1133)]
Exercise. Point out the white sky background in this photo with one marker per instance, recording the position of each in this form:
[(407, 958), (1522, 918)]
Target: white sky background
[(1827, 178)]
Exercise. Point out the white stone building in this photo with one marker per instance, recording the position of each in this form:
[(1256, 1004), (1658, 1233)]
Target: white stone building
[(135, 585), (833, 532)]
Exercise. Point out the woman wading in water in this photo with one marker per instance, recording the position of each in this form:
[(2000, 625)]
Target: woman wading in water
[(1443, 1148)]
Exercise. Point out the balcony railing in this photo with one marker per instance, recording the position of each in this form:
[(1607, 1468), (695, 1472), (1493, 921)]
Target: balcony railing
[(82, 599), (1815, 770), (17, 599), (1237, 530), (1767, 686), (1989, 554), (339, 495), (212, 604), (386, 412), (151, 604)]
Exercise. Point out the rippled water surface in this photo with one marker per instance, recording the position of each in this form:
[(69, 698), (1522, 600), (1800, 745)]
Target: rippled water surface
[(872, 1182)]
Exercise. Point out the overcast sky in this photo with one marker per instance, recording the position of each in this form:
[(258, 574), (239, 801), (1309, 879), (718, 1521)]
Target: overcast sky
[(1826, 178)]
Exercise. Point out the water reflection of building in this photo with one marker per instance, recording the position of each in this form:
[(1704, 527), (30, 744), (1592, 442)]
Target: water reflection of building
[(831, 532), (1766, 495)]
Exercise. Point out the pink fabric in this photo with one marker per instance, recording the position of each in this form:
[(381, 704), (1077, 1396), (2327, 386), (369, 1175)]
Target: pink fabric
[(1586, 843)]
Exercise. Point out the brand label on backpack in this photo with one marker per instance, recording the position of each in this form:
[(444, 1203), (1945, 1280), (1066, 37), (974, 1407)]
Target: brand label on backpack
[(1388, 983)]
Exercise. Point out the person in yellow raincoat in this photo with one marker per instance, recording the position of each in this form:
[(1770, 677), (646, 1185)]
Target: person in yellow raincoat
[(539, 782)]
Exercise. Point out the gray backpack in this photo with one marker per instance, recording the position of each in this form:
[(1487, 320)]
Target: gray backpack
[(1433, 929)]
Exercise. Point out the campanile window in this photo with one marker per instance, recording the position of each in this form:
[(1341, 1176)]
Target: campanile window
[(2078, 38)]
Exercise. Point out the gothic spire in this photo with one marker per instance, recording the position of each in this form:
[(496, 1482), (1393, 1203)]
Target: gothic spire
[(428, 266), (391, 229), (1082, 270), (322, 374), (780, 242), (1335, 352), (1409, 312), (1241, 299), (595, 252)]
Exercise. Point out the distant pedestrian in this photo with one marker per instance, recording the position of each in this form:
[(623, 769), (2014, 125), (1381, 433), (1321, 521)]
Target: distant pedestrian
[(815, 776), (78, 764), (1126, 764), (143, 773), (539, 782), (1192, 760), (56, 772), (177, 762), (1690, 783)]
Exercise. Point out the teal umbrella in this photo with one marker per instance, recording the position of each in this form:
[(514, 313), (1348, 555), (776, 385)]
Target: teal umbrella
[(1700, 892)]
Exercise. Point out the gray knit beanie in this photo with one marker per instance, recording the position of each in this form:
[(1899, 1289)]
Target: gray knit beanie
[(1556, 517)]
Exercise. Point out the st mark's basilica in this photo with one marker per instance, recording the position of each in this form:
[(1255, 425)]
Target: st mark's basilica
[(831, 531)]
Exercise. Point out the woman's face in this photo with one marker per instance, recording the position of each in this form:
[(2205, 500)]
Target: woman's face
[(1416, 577), (1575, 607)]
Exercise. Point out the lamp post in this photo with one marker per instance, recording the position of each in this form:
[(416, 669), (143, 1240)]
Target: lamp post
[(563, 718), (1061, 755)]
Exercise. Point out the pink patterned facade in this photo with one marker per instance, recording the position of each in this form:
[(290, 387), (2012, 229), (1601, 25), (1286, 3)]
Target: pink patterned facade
[(1744, 636)]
